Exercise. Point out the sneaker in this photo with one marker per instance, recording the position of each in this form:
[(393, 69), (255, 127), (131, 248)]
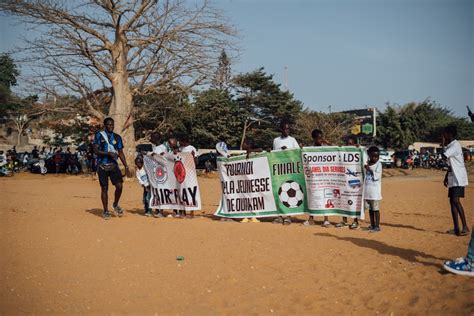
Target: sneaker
[(148, 214), (106, 215), (287, 221), (341, 225), (374, 230), (118, 210), (245, 220), (354, 226), (254, 220), (326, 224), (460, 267), (278, 220)]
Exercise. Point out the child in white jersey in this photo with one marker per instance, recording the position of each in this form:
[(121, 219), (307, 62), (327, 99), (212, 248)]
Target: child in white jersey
[(455, 179), (143, 181), (373, 187)]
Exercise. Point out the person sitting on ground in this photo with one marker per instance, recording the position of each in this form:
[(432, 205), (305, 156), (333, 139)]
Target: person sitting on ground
[(283, 142), (143, 181), (455, 179), (373, 187), (318, 141)]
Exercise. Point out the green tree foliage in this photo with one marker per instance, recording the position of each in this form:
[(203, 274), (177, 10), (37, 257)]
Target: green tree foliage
[(335, 126), (167, 111), (260, 98), (215, 116), (400, 126), (8, 75), (222, 78)]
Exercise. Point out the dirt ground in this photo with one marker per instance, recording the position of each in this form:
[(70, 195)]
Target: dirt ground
[(59, 256)]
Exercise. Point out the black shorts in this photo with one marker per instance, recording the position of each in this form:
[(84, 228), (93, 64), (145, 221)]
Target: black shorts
[(106, 171), (456, 192)]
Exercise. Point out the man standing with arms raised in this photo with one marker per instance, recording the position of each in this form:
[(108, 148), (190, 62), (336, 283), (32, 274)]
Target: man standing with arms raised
[(108, 147)]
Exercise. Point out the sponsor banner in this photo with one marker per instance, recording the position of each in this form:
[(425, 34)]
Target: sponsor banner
[(173, 182), (334, 180)]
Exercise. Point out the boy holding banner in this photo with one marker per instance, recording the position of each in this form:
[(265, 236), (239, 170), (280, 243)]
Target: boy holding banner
[(186, 147), (285, 141), (318, 141), (143, 181)]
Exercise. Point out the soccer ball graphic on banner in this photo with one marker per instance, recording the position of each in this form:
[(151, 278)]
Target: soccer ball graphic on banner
[(291, 194)]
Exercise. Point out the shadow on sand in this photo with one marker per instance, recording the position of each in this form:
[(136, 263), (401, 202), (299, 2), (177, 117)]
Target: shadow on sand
[(403, 226), (410, 255)]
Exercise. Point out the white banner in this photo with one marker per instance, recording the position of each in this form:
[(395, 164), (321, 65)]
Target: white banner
[(334, 180), (173, 182), (246, 187)]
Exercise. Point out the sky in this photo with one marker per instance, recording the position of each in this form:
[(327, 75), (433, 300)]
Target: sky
[(350, 54)]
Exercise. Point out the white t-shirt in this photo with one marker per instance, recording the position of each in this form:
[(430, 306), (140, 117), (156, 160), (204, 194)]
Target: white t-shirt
[(159, 149), (222, 149), (188, 149), (373, 182), (142, 177), (288, 142), (457, 177)]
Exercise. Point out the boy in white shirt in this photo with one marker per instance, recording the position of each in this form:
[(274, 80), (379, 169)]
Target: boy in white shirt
[(373, 188), (455, 179), (186, 147), (157, 148), (143, 181), (285, 141)]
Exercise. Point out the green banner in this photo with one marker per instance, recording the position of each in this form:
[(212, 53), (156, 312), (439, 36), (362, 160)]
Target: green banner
[(314, 180)]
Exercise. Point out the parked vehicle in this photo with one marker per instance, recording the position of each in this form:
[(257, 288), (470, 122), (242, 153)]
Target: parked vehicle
[(207, 161), (386, 158)]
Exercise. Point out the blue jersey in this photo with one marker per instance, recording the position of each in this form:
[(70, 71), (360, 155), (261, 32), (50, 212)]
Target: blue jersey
[(115, 141)]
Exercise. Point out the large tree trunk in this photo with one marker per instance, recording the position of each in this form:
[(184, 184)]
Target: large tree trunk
[(121, 108)]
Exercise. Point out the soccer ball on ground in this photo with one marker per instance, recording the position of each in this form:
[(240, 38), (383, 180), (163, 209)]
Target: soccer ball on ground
[(291, 194)]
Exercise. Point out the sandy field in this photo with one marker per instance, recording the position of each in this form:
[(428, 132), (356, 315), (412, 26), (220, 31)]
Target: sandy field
[(59, 256)]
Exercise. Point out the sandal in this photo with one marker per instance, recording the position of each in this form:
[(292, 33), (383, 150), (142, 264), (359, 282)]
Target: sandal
[(341, 225), (462, 233), (354, 226), (287, 221), (326, 224), (451, 232), (309, 223), (278, 220)]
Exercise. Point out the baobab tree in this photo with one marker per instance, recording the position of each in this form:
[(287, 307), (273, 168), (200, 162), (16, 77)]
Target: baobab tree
[(120, 48)]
